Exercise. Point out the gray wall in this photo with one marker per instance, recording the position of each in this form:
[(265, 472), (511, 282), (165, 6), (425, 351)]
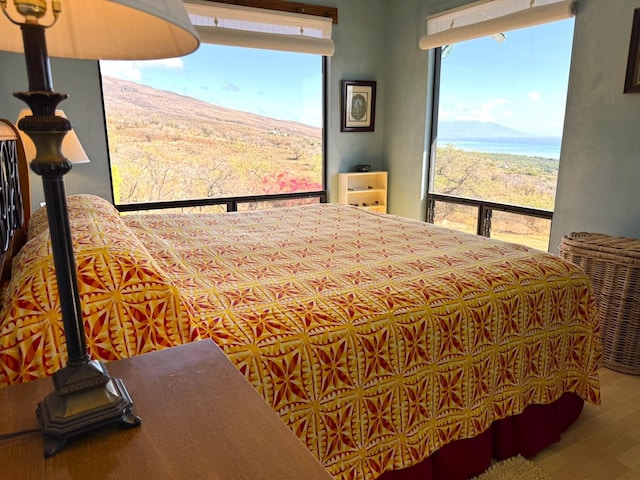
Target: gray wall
[(599, 178), (408, 71), (377, 40), (360, 55)]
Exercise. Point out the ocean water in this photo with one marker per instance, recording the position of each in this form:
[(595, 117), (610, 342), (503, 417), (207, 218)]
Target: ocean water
[(545, 147)]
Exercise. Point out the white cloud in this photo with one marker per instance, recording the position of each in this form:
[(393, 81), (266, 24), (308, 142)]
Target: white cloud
[(534, 96), (490, 110), (123, 70), (529, 114), (132, 70)]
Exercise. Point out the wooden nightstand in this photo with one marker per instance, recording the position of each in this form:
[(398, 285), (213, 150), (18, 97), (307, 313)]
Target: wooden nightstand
[(201, 419)]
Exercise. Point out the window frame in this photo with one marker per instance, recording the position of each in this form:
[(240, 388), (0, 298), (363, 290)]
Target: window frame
[(485, 208), (232, 203)]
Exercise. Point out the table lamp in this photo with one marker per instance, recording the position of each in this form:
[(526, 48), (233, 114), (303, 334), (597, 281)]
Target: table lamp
[(85, 396), (72, 149)]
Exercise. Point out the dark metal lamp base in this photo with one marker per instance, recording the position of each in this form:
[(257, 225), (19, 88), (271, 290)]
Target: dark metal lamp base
[(85, 398)]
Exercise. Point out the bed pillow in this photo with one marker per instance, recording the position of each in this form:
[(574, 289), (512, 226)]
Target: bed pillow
[(82, 209), (129, 305)]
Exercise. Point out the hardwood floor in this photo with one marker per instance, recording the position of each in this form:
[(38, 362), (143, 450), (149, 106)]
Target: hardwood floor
[(604, 443)]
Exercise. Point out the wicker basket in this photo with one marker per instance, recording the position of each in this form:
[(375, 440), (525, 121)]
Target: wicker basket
[(613, 264)]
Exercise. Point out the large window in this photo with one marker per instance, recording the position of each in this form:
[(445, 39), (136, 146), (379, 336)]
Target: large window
[(499, 129), (221, 122)]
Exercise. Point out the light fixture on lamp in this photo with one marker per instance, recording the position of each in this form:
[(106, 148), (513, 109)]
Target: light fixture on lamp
[(85, 396), (72, 149)]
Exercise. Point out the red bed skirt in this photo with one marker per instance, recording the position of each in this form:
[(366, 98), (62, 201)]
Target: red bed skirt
[(526, 434)]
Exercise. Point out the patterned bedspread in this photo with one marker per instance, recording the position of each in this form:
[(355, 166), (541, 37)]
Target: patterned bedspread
[(377, 339)]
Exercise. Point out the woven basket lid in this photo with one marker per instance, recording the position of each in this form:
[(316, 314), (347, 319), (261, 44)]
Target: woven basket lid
[(621, 246)]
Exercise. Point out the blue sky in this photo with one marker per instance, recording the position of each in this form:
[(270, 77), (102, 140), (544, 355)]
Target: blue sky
[(520, 83), (280, 85)]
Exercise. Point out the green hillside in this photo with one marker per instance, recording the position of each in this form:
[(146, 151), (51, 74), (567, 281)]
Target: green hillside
[(165, 146), (512, 179)]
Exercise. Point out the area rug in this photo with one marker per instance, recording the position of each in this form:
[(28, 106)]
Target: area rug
[(514, 468)]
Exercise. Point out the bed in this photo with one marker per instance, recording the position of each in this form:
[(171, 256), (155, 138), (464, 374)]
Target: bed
[(392, 348)]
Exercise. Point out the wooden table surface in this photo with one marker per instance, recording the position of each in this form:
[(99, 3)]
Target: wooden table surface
[(201, 419)]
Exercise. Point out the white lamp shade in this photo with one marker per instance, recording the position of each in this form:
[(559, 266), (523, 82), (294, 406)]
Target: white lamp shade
[(71, 146), (110, 30)]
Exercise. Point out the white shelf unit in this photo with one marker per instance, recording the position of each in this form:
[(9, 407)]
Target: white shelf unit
[(364, 189)]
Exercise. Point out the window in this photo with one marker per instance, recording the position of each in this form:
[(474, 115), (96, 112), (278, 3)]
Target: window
[(500, 116), (222, 122)]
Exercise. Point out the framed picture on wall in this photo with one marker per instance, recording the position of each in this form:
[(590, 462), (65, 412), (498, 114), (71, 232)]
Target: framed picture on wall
[(358, 106), (632, 80)]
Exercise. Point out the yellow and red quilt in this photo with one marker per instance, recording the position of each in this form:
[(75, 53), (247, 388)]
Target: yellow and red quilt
[(377, 339)]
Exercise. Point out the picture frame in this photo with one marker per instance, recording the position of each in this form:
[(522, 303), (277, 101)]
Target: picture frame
[(358, 106), (632, 79)]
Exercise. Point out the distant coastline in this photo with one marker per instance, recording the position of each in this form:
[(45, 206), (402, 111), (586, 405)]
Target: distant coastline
[(544, 147)]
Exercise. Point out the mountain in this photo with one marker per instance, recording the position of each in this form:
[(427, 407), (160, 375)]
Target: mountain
[(130, 99), (166, 146), (470, 129)]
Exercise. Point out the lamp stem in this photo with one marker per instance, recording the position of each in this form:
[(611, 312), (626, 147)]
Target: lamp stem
[(55, 198), (47, 132), (37, 58), (85, 396)]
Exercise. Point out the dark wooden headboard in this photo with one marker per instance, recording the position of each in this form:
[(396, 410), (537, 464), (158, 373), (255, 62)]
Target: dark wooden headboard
[(15, 196)]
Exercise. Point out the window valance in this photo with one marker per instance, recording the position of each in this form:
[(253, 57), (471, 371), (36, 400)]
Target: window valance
[(241, 26), (491, 17)]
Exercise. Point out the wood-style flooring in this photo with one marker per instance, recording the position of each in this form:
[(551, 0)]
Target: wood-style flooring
[(604, 443)]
